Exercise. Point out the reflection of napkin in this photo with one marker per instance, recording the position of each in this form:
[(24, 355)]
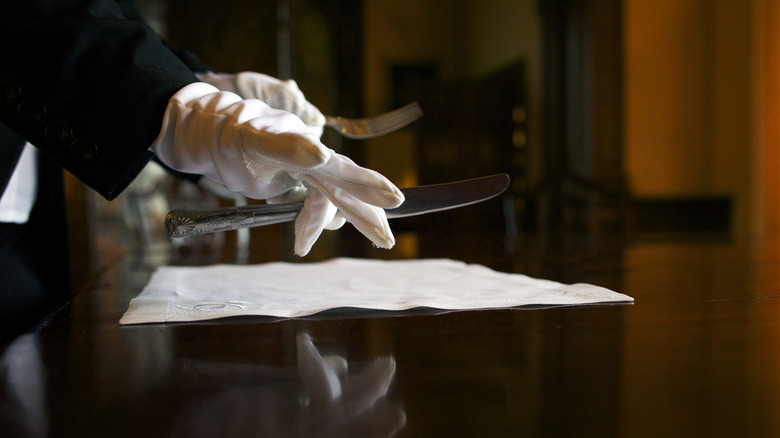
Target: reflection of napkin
[(299, 289)]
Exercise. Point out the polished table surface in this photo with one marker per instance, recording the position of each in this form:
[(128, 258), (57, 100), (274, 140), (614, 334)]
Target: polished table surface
[(697, 354)]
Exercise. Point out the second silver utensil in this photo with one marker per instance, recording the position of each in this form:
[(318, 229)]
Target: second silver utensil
[(371, 127)]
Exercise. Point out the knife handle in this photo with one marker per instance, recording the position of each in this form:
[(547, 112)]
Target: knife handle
[(183, 223)]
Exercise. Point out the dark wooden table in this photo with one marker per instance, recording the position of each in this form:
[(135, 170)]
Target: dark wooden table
[(697, 354)]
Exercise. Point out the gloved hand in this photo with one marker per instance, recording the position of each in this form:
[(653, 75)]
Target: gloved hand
[(268, 153), (283, 95)]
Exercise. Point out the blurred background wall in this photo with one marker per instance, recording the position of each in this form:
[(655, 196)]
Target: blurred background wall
[(612, 116), (690, 106)]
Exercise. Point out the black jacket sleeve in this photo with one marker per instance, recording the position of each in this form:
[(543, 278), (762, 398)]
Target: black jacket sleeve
[(130, 10), (87, 85)]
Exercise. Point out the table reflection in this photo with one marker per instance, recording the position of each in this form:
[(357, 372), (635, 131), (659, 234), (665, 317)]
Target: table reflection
[(23, 411), (321, 397), (177, 392)]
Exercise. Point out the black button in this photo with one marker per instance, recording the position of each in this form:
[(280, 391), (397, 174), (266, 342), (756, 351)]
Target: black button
[(57, 132), (82, 150), (9, 92), (31, 112)]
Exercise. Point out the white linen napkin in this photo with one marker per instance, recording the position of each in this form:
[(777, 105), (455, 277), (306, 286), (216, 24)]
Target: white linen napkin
[(282, 289)]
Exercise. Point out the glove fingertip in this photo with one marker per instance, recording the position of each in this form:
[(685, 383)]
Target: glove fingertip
[(396, 197), (304, 235), (386, 197), (315, 216), (302, 250), (304, 238), (311, 115), (385, 242), (372, 223), (365, 184)]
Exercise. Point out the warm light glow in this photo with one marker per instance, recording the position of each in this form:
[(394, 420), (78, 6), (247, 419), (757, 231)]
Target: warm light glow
[(770, 81)]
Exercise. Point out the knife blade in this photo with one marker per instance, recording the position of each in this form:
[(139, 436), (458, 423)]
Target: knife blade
[(419, 200)]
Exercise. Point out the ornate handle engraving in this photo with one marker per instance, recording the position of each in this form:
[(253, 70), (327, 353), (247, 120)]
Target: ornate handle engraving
[(183, 223)]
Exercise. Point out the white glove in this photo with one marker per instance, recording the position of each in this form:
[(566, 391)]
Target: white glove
[(283, 95), (265, 153)]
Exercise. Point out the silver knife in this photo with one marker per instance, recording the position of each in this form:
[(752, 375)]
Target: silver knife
[(419, 200)]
